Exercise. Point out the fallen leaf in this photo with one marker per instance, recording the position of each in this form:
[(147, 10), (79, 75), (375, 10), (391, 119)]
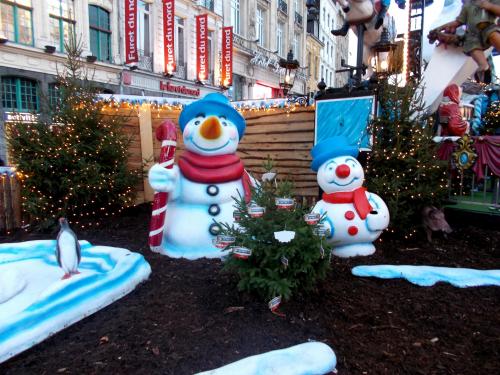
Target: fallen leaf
[(62, 369), (104, 340), (155, 350), (435, 339)]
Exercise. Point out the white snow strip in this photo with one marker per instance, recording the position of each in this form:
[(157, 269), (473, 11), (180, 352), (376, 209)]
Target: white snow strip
[(46, 304), (428, 275), (311, 358)]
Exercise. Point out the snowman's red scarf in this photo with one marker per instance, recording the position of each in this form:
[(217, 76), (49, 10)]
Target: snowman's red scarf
[(357, 197), (215, 169)]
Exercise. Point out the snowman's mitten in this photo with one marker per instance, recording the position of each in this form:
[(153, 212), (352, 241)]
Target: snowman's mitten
[(162, 179), (377, 221)]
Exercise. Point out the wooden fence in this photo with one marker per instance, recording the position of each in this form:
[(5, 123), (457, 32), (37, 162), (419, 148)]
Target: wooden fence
[(286, 136), (10, 202)]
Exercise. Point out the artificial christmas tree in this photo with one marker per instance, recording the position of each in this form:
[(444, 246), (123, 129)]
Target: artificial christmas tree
[(403, 166), (283, 247), (74, 160)]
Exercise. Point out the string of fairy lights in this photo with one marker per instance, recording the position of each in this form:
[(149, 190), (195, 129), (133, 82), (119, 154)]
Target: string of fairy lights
[(81, 149)]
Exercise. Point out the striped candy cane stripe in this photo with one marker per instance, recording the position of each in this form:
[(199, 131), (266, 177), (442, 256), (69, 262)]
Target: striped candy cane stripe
[(155, 232), (168, 142), (159, 211)]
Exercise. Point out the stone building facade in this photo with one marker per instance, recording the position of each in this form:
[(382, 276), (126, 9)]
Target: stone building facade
[(264, 32)]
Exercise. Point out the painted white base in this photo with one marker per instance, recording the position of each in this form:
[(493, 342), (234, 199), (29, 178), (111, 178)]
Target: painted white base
[(354, 250), (36, 303), (311, 358)]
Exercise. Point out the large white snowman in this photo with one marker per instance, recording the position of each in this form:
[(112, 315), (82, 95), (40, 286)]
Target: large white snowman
[(208, 175), (354, 217)]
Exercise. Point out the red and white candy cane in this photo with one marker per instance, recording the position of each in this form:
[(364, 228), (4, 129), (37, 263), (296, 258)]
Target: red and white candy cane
[(166, 133)]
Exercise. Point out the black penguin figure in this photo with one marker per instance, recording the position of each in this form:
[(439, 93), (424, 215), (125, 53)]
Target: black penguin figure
[(67, 250)]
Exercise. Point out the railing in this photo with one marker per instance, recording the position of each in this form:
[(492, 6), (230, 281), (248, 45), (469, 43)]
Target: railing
[(10, 200), (209, 4), (180, 71), (243, 43), (465, 190), (283, 6), (298, 19), (145, 62)]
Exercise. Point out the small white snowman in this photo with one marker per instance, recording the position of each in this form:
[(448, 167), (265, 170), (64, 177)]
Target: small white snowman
[(354, 217), (208, 175)]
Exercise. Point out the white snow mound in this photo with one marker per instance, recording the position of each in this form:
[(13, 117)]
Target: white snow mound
[(311, 358)]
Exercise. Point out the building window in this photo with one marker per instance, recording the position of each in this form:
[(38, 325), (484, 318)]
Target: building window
[(179, 38), (17, 21), (100, 33), (331, 79), (279, 39), (54, 95), (19, 94), (235, 16), (322, 70), (61, 23), (209, 4), (296, 45), (143, 29), (326, 77), (210, 50), (260, 19)]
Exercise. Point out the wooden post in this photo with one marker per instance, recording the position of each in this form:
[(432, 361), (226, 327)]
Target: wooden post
[(2, 203), (16, 200), (9, 214), (146, 135)]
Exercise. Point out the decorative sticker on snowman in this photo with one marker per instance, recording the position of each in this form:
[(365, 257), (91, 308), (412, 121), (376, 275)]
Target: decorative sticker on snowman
[(202, 186), (354, 217)]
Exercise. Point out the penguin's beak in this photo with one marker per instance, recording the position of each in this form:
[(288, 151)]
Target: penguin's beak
[(211, 128)]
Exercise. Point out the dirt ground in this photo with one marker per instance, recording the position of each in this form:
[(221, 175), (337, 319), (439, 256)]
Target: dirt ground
[(189, 316)]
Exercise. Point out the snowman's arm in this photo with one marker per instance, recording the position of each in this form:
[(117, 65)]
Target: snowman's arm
[(379, 220), (165, 180), (319, 208)]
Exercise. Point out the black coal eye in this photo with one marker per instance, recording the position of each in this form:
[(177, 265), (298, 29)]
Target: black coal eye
[(224, 123), (197, 123)]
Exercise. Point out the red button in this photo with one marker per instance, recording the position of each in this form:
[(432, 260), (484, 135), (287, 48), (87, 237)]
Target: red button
[(352, 230), (349, 215)]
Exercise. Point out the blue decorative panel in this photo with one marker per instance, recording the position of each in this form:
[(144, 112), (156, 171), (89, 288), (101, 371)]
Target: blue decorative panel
[(346, 116)]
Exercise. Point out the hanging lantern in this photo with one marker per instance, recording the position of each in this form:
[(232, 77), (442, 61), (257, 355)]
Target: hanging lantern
[(287, 73), (383, 51)]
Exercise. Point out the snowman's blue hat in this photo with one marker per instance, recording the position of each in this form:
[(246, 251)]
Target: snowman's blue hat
[(213, 104), (332, 147)]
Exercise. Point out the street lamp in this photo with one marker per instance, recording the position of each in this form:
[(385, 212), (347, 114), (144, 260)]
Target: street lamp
[(383, 51), (287, 73)]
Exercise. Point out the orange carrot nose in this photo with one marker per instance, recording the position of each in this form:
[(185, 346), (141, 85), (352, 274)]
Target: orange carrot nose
[(211, 128)]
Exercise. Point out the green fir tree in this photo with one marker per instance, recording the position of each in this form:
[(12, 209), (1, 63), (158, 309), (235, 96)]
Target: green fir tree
[(276, 268), (74, 160), (403, 167), (492, 119)]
